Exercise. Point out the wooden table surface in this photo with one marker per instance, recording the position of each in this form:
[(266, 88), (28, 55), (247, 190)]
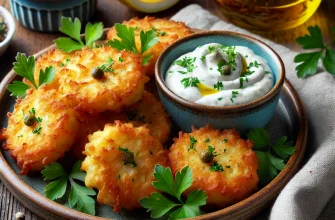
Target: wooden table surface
[(110, 12)]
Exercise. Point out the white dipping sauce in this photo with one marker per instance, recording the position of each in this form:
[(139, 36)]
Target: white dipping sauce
[(217, 75)]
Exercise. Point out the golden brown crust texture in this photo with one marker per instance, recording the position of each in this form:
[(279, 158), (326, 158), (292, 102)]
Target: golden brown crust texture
[(58, 128), (147, 112), (122, 85), (239, 176), (119, 185)]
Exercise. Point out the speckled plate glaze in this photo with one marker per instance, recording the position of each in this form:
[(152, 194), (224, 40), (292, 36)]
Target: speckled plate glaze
[(289, 119)]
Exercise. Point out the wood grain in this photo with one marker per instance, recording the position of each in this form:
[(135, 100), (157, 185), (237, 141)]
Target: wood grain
[(110, 12)]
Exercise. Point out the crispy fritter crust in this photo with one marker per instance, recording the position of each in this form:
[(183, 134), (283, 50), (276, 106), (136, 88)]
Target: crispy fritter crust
[(239, 178), (148, 112), (59, 125), (167, 31), (122, 87), (90, 124), (119, 185)]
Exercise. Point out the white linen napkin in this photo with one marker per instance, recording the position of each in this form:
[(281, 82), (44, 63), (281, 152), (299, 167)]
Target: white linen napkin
[(310, 193)]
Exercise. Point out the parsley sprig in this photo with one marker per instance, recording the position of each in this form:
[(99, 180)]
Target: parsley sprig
[(79, 196), (25, 67), (72, 28), (271, 158), (127, 35), (159, 205), (309, 61)]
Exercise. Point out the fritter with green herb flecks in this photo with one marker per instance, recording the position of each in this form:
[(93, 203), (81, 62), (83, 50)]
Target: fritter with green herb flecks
[(147, 112), (167, 31), (40, 130), (223, 164), (120, 162), (96, 80)]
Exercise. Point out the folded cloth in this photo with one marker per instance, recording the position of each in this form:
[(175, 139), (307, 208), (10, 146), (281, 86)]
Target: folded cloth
[(310, 193)]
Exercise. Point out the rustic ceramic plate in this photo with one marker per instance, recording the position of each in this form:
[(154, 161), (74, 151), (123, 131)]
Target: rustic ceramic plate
[(289, 119)]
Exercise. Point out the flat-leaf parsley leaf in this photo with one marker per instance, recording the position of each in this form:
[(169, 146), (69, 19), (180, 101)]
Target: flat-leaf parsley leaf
[(271, 158), (127, 41), (72, 28), (159, 205), (309, 61), (25, 67), (79, 195)]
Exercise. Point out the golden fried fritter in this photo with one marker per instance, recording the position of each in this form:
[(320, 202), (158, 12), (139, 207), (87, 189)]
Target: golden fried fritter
[(120, 163), (148, 112), (88, 125), (51, 134), (238, 178), (167, 32), (122, 84)]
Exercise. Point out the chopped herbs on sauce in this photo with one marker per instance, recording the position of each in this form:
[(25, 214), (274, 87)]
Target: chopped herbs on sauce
[(182, 72), (211, 49), (218, 86), (3, 29), (190, 82), (207, 140), (234, 93), (232, 55), (187, 63)]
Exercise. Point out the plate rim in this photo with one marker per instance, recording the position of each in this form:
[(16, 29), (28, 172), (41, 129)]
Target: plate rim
[(250, 206)]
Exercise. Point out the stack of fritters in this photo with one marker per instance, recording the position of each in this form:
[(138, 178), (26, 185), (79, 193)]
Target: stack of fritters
[(118, 128)]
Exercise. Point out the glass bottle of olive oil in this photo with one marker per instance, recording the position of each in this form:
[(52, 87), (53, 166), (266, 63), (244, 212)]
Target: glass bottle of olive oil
[(268, 15)]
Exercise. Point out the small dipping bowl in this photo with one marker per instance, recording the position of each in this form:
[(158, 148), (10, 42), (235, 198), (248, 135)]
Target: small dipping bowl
[(243, 117), (9, 20)]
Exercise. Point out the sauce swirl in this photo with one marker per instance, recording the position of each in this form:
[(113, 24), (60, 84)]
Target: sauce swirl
[(218, 75)]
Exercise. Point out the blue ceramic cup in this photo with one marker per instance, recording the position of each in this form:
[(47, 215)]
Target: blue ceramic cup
[(45, 15), (243, 117)]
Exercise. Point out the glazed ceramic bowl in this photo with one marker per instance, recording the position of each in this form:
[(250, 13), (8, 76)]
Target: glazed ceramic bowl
[(45, 15), (243, 117), (9, 20)]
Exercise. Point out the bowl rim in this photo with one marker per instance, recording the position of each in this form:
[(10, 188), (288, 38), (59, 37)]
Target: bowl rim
[(218, 110), (8, 18)]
